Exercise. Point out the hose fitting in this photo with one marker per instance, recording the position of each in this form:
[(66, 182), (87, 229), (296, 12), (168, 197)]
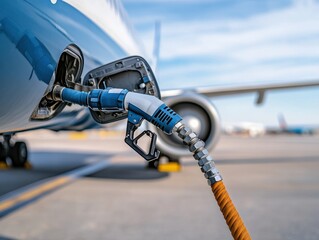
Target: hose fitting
[(197, 146)]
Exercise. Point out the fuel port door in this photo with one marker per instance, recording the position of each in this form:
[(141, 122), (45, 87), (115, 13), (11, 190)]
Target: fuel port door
[(131, 73)]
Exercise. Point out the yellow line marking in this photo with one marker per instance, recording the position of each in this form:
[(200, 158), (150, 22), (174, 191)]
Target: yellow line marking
[(169, 167), (34, 192), (78, 135), (3, 165), (109, 133), (27, 165)]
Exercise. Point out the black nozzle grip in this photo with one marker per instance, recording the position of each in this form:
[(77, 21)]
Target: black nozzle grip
[(153, 153)]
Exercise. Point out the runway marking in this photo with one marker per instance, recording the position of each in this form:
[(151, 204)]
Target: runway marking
[(101, 134), (25, 195), (3, 166), (78, 135), (34, 193), (109, 133)]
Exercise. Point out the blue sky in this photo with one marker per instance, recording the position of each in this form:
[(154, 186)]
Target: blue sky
[(225, 42)]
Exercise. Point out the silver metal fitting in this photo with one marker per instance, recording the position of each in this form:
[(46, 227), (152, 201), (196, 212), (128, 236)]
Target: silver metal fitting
[(185, 131), (204, 160), (200, 154), (214, 179), (57, 93), (205, 168), (211, 172), (196, 145), (178, 126), (189, 138)]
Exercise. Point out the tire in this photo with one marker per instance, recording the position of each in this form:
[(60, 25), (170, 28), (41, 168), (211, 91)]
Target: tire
[(19, 154), (3, 154)]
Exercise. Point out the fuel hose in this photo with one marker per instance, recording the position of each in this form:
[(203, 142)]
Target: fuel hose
[(214, 179)]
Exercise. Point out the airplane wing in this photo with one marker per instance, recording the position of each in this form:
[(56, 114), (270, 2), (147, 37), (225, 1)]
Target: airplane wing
[(213, 91)]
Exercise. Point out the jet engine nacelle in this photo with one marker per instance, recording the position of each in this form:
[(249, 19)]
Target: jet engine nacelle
[(199, 114)]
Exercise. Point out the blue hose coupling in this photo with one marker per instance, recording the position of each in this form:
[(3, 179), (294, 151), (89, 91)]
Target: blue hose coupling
[(73, 96), (109, 99), (165, 118)]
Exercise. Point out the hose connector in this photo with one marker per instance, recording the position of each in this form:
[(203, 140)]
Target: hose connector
[(200, 153)]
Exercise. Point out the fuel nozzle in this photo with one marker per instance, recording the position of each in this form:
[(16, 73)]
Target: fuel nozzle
[(156, 112), (139, 107)]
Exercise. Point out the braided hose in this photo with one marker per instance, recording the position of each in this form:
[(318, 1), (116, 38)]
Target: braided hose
[(232, 217), (214, 179)]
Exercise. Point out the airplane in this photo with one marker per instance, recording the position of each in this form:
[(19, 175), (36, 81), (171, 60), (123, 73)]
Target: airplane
[(245, 128), (297, 130), (49, 42)]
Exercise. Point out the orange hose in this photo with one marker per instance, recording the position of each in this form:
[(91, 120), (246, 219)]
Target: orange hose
[(233, 220)]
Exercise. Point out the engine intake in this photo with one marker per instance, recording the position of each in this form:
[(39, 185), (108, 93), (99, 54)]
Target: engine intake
[(197, 112)]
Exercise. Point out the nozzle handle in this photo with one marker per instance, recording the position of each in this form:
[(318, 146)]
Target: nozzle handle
[(133, 123)]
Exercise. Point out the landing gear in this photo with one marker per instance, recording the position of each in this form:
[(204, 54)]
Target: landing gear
[(16, 151), (3, 156), (19, 154), (4, 151)]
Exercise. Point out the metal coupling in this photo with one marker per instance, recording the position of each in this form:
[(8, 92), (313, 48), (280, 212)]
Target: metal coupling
[(200, 154), (211, 173), (56, 93), (204, 160), (207, 167), (185, 131), (178, 127), (195, 146), (189, 138), (212, 180)]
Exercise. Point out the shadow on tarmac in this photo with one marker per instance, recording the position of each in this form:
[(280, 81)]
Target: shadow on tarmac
[(45, 164), (6, 238), (128, 172), (58, 162)]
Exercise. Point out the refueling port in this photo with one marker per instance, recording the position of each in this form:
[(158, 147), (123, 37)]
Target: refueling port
[(67, 73)]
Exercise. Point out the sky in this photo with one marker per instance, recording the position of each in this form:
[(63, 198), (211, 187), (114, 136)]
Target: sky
[(229, 42)]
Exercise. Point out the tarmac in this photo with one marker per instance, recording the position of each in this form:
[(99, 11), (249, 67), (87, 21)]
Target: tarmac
[(93, 186)]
